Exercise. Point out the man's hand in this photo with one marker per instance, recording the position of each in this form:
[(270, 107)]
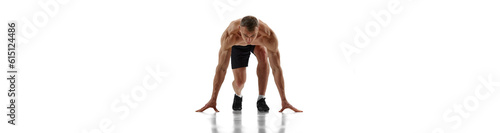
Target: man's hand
[(210, 104), (285, 105)]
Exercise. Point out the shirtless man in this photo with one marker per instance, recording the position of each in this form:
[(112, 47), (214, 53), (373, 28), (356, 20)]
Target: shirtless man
[(241, 37)]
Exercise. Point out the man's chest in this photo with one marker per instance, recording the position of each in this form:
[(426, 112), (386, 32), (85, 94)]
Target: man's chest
[(258, 41)]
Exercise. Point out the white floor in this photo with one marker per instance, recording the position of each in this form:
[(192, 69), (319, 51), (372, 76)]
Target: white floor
[(240, 122)]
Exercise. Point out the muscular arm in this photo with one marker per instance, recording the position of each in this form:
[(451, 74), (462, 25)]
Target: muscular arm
[(274, 61), (220, 71), (227, 40)]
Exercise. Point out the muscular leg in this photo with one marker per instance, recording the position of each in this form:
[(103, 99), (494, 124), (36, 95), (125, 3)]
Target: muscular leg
[(262, 68), (239, 79)]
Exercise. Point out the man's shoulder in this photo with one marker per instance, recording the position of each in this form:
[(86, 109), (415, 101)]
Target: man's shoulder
[(236, 22), (233, 26), (265, 29)]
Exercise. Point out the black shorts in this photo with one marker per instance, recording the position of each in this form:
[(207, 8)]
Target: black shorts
[(240, 55)]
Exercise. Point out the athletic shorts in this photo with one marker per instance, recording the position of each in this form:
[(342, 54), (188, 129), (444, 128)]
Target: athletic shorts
[(240, 55)]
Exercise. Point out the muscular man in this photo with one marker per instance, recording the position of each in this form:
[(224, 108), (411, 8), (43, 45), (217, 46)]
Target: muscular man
[(241, 37)]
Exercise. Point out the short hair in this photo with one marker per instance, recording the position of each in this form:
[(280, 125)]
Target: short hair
[(250, 22)]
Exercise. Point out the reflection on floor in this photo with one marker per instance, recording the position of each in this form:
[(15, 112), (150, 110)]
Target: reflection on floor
[(266, 122)]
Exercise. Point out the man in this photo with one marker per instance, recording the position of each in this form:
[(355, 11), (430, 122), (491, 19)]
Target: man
[(241, 37)]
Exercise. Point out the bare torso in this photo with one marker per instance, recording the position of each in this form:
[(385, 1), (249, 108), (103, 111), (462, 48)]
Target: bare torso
[(265, 36)]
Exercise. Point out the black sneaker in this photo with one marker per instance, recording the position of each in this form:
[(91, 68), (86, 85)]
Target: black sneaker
[(262, 106), (237, 103)]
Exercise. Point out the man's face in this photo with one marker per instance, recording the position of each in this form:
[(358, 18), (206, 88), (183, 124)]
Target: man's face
[(248, 36)]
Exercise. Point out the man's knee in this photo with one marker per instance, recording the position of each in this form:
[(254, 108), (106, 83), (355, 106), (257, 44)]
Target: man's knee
[(263, 63), (261, 54), (239, 83)]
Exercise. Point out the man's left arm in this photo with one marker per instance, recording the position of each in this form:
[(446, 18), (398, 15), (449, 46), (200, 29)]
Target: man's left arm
[(274, 61)]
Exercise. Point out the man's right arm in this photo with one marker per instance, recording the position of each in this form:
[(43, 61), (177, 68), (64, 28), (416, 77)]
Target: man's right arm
[(220, 72), (224, 55)]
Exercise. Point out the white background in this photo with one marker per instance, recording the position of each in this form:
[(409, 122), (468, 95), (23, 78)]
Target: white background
[(426, 60)]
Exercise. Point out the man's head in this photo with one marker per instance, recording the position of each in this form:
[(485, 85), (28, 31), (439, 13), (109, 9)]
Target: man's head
[(249, 28)]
